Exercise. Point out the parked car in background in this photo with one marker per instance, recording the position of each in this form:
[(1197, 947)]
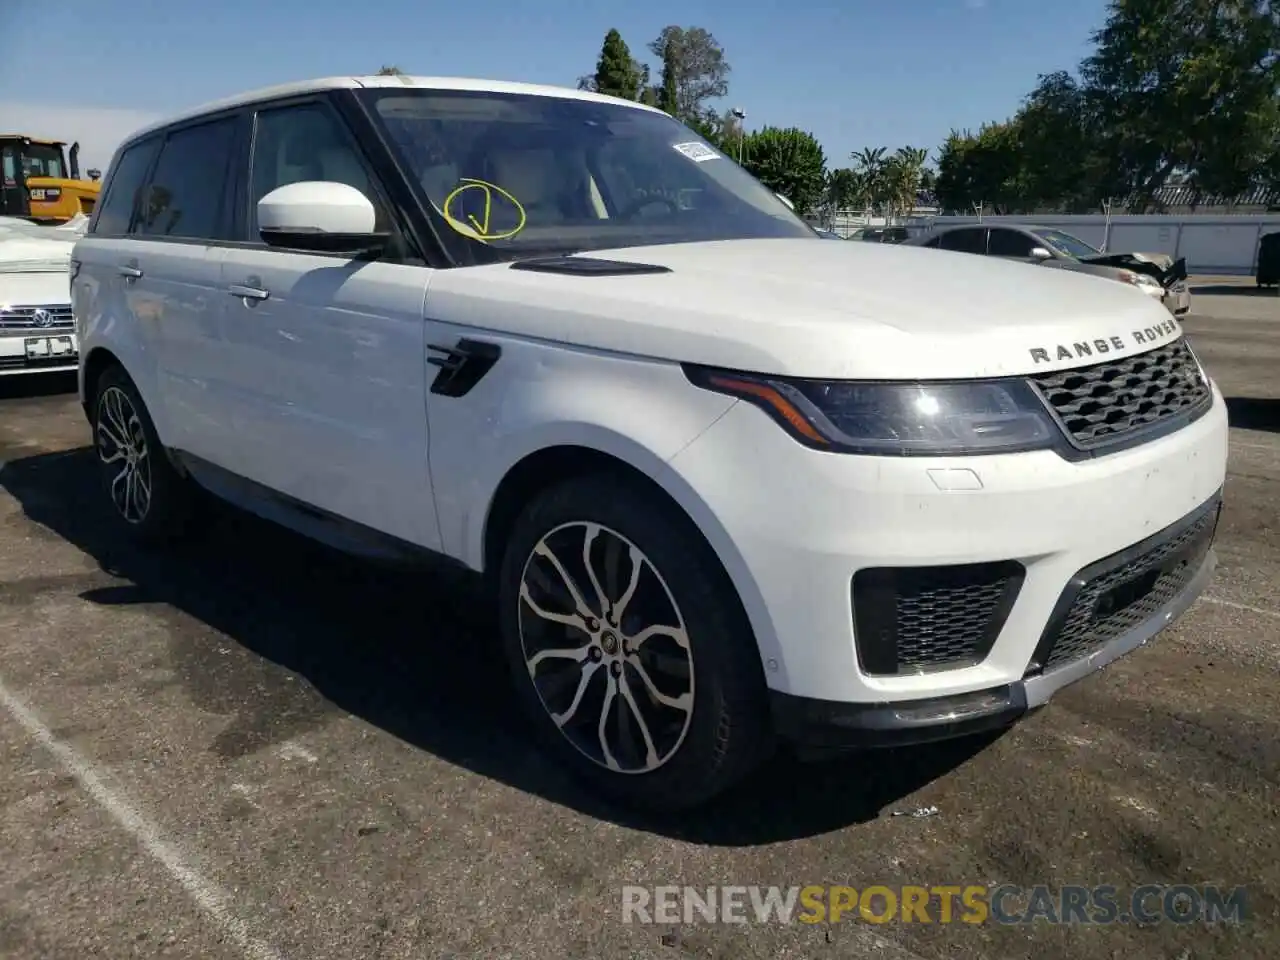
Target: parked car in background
[(884, 234), (37, 334), (722, 486), (1158, 275)]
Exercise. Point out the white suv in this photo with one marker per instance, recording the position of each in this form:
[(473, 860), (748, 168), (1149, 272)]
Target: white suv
[(729, 485)]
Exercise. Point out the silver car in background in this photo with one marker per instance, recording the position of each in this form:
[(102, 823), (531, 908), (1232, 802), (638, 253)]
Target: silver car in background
[(1156, 274)]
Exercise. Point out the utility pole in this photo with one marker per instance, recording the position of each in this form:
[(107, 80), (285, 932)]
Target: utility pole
[(740, 115)]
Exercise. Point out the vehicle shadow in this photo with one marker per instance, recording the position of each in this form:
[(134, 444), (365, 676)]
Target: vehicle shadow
[(409, 651), (37, 385), (1233, 290), (1254, 413)]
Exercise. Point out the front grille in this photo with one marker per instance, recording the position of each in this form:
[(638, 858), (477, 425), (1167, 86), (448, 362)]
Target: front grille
[(1116, 594), (918, 619), (39, 318), (1117, 398), (38, 363)]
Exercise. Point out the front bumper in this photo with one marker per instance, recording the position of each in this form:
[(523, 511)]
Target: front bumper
[(38, 350), (1184, 553), (1177, 299), (795, 528)]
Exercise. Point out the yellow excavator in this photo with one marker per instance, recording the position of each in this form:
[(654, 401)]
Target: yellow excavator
[(40, 180)]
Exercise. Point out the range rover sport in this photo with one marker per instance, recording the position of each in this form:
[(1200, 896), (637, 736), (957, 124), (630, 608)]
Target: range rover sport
[(729, 486)]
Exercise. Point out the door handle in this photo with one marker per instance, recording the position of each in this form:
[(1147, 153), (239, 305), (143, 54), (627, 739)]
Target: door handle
[(130, 271), (246, 292)]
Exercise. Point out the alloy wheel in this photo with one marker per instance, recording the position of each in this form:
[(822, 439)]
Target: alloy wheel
[(606, 647), (123, 453)]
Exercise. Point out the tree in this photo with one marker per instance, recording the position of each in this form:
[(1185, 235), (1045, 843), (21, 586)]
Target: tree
[(648, 95), (669, 92), (1186, 84), (790, 162), (843, 189), (617, 74), (902, 176), (694, 71), (871, 183), (1059, 134), (984, 168), (390, 72)]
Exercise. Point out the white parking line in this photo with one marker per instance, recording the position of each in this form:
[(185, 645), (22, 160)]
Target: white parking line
[(209, 897), (1242, 606)]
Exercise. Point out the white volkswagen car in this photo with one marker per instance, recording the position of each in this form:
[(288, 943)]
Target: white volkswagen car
[(729, 486), (37, 333)]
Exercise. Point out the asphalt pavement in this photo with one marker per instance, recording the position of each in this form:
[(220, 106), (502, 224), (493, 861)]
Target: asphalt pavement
[(252, 747)]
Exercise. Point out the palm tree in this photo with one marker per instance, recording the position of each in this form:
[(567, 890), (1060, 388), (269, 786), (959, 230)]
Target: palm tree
[(906, 168), (870, 165)]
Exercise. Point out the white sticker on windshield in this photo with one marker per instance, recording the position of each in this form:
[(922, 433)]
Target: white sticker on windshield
[(697, 152)]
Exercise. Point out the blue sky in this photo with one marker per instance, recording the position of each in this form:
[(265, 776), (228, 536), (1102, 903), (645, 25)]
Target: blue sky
[(854, 72)]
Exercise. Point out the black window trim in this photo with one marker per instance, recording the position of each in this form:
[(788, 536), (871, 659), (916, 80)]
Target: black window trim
[(385, 177)]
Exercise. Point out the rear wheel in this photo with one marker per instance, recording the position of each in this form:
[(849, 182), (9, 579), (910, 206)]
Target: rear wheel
[(150, 501), (628, 645)]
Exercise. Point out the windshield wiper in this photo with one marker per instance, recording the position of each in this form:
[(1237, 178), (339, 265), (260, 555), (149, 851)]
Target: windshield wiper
[(586, 266)]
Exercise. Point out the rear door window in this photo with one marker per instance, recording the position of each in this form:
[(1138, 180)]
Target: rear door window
[(1010, 243), (966, 240), (185, 197)]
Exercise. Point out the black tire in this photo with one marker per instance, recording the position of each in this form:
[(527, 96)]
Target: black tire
[(169, 505), (728, 731)]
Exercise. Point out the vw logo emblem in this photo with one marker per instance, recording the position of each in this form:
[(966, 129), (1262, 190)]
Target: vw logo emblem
[(42, 318)]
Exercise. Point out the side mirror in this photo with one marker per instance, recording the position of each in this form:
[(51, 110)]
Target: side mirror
[(1041, 253), (320, 216), (785, 200)]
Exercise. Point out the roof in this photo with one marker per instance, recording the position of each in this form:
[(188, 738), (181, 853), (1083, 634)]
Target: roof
[(383, 81)]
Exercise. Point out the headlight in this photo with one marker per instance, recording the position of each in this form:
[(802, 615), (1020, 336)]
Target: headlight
[(897, 419), (1145, 283)]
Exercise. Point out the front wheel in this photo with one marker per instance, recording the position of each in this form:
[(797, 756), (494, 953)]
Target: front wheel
[(629, 647)]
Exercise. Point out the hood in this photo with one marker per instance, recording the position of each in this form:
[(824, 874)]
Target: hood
[(34, 289), (800, 308), (27, 254)]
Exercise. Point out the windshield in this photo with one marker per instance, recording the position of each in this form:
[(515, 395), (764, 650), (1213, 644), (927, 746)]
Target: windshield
[(42, 160), (1066, 243), (519, 175)]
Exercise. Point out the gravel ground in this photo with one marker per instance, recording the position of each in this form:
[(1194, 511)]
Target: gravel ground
[(254, 748)]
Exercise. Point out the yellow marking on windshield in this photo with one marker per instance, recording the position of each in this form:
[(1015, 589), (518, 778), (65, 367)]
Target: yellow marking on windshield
[(479, 227)]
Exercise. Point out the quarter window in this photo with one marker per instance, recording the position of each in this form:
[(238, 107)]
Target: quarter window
[(123, 189), (186, 191)]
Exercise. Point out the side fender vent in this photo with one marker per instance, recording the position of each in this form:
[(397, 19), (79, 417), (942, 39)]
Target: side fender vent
[(462, 366)]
